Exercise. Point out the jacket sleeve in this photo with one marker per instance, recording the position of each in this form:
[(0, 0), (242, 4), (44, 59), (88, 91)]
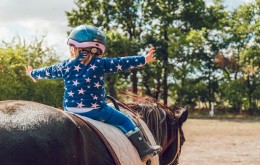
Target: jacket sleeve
[(49, 72), (113, 65)]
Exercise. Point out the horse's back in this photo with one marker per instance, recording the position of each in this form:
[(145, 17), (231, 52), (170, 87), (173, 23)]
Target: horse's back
[(33, 133)]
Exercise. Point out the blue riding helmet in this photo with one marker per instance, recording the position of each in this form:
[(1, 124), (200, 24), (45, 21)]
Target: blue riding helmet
[(84, 36)]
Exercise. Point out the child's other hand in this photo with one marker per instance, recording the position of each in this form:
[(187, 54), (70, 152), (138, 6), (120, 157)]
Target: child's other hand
[(28, 71), (149, 57)]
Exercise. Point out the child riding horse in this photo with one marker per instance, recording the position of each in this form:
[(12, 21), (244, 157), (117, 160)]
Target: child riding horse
[(83, 76)]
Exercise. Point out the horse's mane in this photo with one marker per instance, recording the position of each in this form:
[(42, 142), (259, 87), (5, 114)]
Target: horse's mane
[(153, 113)]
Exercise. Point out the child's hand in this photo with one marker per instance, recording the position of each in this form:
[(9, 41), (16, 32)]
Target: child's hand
[(28, 71), (149, 57)]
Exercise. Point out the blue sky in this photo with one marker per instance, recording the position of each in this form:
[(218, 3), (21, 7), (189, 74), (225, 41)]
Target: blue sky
[(31, 18)]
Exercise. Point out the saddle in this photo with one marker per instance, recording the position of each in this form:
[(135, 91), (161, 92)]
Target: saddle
[(121, 149)]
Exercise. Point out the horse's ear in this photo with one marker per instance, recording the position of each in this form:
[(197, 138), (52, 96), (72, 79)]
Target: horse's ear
[(184, 116)]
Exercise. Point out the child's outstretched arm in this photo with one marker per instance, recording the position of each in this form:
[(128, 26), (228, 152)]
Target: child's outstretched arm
[(50, 72), (113, 65)]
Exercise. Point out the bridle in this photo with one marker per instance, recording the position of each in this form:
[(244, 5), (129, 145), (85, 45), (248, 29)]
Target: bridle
[(178, 148)]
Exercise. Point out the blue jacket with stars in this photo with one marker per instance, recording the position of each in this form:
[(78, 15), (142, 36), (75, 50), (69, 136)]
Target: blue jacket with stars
[(84, 84)]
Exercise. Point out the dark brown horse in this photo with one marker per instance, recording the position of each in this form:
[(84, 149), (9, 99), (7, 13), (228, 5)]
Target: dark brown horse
[(164, 123), (32, 133)]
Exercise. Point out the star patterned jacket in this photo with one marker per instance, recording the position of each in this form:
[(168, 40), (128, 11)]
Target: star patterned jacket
[(84, 84)]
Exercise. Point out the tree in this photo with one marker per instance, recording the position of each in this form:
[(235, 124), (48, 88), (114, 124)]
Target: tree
[(14, 82), (242, 59), (172, 20), (117, 15)]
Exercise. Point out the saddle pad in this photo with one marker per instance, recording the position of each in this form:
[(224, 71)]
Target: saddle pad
[(122, 147)]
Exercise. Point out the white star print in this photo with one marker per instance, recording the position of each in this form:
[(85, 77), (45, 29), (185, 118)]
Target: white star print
[(77, 68), (95, 97), (112, 62), (67, 69), (81, 91), (95, 105), (119, 67), (97, 85), (71, 93), (80, 105), (75, 83), (39, 77), (132, 67), (88, 79), (47, 73), (93, 66), (101, 78)]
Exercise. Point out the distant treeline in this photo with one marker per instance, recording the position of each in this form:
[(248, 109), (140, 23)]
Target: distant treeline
[(206, 54)]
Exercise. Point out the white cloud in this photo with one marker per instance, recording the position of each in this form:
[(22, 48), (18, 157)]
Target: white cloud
[(231, 4), (15, 10), (5, 33), (31, 18)]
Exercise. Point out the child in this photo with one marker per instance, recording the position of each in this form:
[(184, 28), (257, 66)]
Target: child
[(83, 76)]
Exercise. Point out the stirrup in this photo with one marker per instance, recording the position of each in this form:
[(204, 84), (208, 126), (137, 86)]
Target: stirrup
[(154, 152)]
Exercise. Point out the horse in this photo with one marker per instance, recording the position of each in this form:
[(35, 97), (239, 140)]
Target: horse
[(34, 133), (165, 124)]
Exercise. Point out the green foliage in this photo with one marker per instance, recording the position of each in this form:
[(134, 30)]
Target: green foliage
[(187, 35), (235, 93), (119, 46), (15, 84)]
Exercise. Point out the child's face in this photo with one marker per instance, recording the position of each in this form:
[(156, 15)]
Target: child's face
[(73, 51)]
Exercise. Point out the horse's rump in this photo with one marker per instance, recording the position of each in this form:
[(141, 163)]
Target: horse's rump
[(33, 133)]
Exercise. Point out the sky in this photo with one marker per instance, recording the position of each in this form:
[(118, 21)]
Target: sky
[(30, 18)]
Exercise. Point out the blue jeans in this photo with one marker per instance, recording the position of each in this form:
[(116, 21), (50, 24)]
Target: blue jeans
[(111, 116)]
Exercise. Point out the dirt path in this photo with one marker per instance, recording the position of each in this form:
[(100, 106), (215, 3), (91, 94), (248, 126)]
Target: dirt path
[(221, 142)]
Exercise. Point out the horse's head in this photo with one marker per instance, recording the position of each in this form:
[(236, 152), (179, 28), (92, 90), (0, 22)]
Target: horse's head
[(177, 117), (166, 126)]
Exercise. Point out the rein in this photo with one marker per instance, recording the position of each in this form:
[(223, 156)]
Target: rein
[(178, 148)]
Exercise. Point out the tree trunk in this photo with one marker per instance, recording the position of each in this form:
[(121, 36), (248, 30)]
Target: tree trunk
[(165, 83), (166, 69), (134, 82)]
